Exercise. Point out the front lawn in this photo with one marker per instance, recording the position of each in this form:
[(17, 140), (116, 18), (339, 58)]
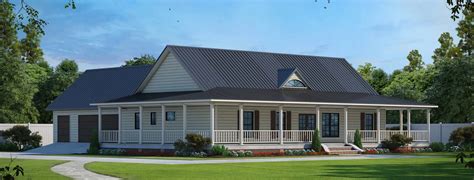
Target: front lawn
[(413, 168), (35, 169)]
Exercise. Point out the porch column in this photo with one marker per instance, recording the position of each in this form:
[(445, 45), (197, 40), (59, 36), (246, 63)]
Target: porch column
[(401, 121), (281, 123), (119, 112), (241, 124), (409, 122), (99, 131), (378, 126), (212, 123), (428, 119), (346, 119), (140, 119), (163, 119), (318, 118), (185, 116)]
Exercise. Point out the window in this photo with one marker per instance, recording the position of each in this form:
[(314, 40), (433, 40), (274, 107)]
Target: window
[(330, 125), (294, 83), (248, 120), (170, 116), (137, 120), (277, 120), (307, 121), (369, 122), (153, 118)]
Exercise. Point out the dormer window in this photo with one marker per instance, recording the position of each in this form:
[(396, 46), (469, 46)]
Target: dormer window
[(294, 83)]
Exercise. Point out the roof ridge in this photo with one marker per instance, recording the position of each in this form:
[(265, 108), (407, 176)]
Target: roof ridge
[(120, 67), (253, 51)]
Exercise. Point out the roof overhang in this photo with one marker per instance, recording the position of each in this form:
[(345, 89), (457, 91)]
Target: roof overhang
[(208, 101)]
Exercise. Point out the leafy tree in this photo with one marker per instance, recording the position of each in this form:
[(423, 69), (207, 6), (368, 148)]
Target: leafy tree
[(465, 31), (30, 45), (457, 6), (64, 75), (142, 60), (447, 50), (366, 71), (376, 77), (17, 90), (415, 61)]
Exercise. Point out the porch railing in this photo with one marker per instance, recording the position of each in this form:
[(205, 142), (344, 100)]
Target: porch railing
[(109, 136), (371, 135)]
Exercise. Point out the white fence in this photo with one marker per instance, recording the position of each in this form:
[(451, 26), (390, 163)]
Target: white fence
[(45, 130), (440, 132)]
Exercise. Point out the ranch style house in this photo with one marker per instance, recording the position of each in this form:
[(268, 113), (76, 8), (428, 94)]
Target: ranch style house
[(241, 99)]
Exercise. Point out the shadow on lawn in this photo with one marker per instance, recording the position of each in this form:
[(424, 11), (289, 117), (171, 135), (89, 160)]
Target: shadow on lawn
[(441, 170)]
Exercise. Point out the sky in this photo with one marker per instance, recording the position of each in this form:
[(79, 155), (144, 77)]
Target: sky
[(105, 33)]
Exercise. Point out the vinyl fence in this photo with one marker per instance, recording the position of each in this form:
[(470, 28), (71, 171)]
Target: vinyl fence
[(45, 130), (439, 132)]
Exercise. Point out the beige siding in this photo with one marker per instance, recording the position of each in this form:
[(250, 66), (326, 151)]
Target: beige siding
[(198, 118), (170, 77), (354, 118)]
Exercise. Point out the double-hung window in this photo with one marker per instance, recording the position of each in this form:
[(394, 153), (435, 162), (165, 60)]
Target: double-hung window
[(153, 118)]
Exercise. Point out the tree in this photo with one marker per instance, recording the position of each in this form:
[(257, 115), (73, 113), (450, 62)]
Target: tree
[(377, 78), (142, 60), (415, 61), (30, 45), (458, 6), (447, 50), (366, 71), (64, 75), (465, 31), (453, 90), (17, 91)]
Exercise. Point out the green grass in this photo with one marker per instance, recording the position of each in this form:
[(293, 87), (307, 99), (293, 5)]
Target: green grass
[(35, 169), (413, 168)]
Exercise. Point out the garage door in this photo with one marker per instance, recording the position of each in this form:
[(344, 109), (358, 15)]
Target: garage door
[(63, 128), (87, 127)]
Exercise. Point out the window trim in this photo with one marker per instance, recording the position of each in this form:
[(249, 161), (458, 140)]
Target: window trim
[(253, 120), (174, 115), (137, 120), (331, 126), (306, 120), (286, 85), (152, 118)]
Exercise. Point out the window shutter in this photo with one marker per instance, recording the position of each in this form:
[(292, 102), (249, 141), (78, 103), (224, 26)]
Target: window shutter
[(238, 118), (375, 121), (362, 121), (288, 120), (272, 120), (257, 120)]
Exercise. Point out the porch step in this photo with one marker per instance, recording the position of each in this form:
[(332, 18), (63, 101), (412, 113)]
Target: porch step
[(342, 150)]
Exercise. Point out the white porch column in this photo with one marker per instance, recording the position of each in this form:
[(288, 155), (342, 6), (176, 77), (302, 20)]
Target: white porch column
[(140, 121), (409, 122), (241, 124), (401, 121), (119, 131), (212, 109), (99, 131), (428, 119), (346, 120), (378, 126), (318, 118), (185, 118), (163, 119), (281, 123)]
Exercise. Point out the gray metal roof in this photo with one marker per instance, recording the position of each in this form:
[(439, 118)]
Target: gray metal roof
[(212, 68), (100, 85), (295, 95)]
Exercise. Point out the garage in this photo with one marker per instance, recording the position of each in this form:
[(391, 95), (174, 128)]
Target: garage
[(87, 127), (63, 128)]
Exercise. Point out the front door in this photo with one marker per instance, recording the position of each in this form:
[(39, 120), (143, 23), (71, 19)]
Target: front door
[(306, 122)]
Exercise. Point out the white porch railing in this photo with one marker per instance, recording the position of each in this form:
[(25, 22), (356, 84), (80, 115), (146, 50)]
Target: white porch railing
[(129, 136), (371, 135), (151, 136), (261, 136), (109, 136), (420, 135), (298, 135), (226, 136), (366, 135)]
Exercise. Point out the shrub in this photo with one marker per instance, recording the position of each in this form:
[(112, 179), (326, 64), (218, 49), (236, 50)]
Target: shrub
[(469, 165), (437, 146), (198, 154), (358, 139), (22, 137), (396, 141), (460, 157), (112, 151), (195, 143), (94, 145), (8, 147), (219, 150), (316, 143), (9, 172), (239, 154), (462, 135)]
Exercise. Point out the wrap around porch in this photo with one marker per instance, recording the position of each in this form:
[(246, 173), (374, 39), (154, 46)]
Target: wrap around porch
[(238, 123)]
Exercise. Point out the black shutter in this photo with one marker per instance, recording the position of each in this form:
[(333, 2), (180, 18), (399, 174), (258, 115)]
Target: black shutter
[(238, 118), (375, 121), (257, 120), (272, 120), (288, 120), (362, 121)]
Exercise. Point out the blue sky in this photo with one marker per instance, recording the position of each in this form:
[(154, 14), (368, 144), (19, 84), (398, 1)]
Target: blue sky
[(105, 33)]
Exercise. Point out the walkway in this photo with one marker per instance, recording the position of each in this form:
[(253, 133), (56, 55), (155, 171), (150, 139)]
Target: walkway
[(76, 170)]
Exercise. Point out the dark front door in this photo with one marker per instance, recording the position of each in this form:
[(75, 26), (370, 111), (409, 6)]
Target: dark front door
[(63, 128), (88, 125)]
